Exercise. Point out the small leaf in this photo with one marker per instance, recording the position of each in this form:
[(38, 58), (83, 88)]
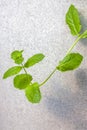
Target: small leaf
[(22, 81), (84, 35), (70, 62), (19, 60), (12, 71), (33, 93), (73, 21), (17, 56), (33, 60)]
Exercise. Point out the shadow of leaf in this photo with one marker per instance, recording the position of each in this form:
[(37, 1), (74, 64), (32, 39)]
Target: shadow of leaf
[(69, 106), (81, 77), (84, 27)]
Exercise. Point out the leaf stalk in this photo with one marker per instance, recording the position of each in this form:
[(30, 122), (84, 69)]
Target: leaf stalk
[(74, 44), (48, 77)]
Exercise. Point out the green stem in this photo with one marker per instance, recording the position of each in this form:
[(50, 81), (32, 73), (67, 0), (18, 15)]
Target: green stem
[(74, 44), (48, 77), (25, 72), (24, 68), (70, 49)]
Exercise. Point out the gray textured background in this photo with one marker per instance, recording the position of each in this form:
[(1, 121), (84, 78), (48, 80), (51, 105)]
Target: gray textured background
[(39, 26)]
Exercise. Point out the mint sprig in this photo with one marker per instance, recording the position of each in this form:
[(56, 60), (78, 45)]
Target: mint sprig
[(71, 61), (23, 81)]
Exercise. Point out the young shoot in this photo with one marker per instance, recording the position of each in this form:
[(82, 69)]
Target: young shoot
[(71, 61)]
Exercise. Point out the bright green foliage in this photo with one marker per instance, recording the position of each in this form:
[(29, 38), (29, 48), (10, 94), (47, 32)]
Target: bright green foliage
[(84, 35), (33, 60), (22, 81), (73, 21), (17, 56), (32, 93), (70, 62), (12, 71)]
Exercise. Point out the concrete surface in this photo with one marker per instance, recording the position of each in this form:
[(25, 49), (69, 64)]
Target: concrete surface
[(39, 26)]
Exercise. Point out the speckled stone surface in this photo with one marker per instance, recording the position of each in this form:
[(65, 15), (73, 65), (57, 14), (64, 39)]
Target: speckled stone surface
[(39, 26)]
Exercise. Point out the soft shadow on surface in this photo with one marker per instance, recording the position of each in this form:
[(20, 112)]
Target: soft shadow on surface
[(59, 106), (70, 107), (83, 20), (81, 76), (84, 27)]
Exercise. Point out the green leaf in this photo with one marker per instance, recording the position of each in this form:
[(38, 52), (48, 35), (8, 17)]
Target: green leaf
[(17, 56), (70, 62), (34, 59), (22, 81), (33, 93), (84, 35), (19, 60), (73, 21), (12, 71)]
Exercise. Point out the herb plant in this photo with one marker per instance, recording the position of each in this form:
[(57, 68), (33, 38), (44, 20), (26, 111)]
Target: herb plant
[(71, 61)]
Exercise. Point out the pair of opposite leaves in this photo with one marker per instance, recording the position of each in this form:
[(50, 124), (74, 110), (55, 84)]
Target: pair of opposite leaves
[(70, 62), (24, 80)]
